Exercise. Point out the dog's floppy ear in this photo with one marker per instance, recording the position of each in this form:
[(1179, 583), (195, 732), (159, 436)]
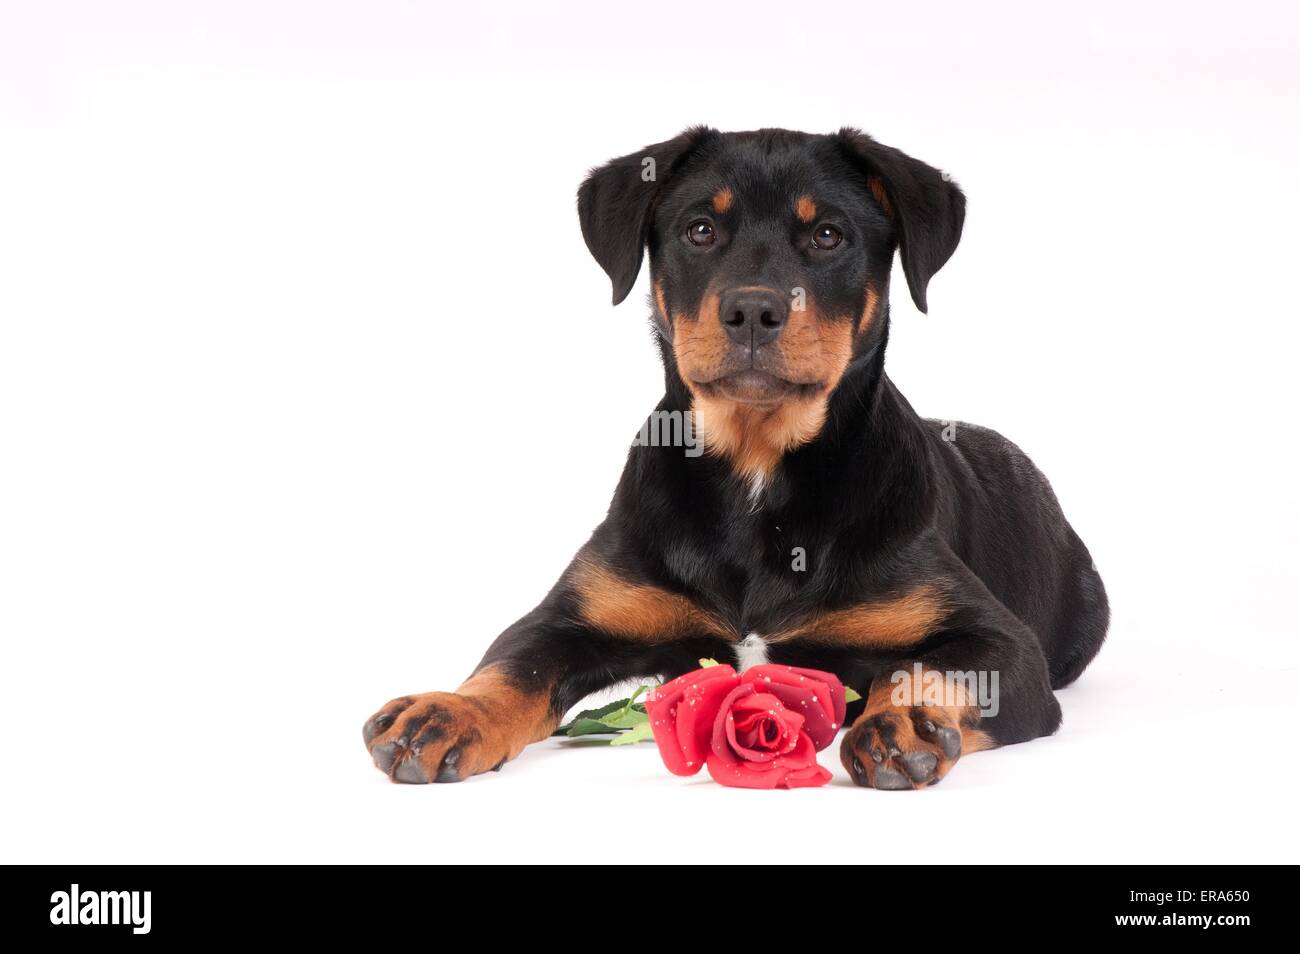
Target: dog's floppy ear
[(927, 208), (616, 201)]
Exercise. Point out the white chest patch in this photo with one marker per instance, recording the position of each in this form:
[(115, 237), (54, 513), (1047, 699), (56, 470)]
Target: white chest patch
[(751, 651)]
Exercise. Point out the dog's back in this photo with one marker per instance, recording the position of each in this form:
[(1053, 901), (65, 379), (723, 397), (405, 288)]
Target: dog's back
[(1005, 523)]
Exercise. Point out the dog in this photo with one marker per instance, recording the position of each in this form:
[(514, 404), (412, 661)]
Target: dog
[(825, 524)]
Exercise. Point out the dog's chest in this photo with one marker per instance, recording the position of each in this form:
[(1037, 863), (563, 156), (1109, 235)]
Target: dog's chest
[(765, 572)]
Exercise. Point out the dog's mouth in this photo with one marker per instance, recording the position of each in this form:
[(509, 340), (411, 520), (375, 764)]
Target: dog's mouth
[(756, 387)]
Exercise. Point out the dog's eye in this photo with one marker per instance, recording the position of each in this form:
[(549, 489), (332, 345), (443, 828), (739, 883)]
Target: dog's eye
[(827, 237), (701, 232)]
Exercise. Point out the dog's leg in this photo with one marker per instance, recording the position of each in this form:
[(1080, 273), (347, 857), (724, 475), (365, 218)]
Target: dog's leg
[(595, 629), (449, 736), (978, 681)]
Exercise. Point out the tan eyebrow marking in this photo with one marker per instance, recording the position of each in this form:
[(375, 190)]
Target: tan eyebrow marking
[(722, 200), (805, 208)]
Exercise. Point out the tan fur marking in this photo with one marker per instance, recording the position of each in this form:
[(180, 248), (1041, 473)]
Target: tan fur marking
[(754, 438), (660, 300), (700, 343), (722, 200), (869, 312), (878, 192), (639, 611), (520, 717), (890, 623), (816, 349), (963, 714), (805, 208), (911, 742), (486, 722), (976, 740)]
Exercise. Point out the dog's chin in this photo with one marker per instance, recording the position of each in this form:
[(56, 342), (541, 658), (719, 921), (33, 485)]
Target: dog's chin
[(756, 388)]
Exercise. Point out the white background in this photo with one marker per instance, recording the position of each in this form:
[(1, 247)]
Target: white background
[(308, 388)]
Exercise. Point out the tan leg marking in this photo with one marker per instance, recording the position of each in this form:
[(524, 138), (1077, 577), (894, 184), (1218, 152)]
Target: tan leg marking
[(893, 746), (889, 623), (449, 736), (638, 611)]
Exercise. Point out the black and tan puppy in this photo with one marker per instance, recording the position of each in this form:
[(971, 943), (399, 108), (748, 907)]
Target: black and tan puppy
[(825, 524)]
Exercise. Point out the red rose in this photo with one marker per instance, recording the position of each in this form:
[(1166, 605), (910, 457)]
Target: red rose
[(762, 729), (682, 713)]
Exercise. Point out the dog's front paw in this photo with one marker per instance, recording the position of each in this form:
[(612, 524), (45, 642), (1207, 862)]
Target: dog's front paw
[(905, 747), (437, 737)]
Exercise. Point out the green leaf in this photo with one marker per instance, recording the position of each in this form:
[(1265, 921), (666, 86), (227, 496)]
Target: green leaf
[(640, 733), (706, 663), (623, 719), (589, 727), (850, 694), (602, 711), (591, 714), (617, 716)]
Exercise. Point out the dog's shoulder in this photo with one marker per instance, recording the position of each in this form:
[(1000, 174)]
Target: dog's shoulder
[(986, 458)]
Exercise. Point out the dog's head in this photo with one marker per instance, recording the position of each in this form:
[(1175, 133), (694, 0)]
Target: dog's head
[(770, 254)]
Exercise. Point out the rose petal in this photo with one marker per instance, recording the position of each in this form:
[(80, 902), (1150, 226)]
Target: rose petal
[(801, 766), (767, 708), (682, 714), (810, 777), (806, 699), (721, 744), (797, 770), (817, 695), (741, 774), (696, 715)]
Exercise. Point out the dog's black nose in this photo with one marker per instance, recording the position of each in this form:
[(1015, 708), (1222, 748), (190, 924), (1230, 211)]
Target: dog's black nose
[(753, 315)]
